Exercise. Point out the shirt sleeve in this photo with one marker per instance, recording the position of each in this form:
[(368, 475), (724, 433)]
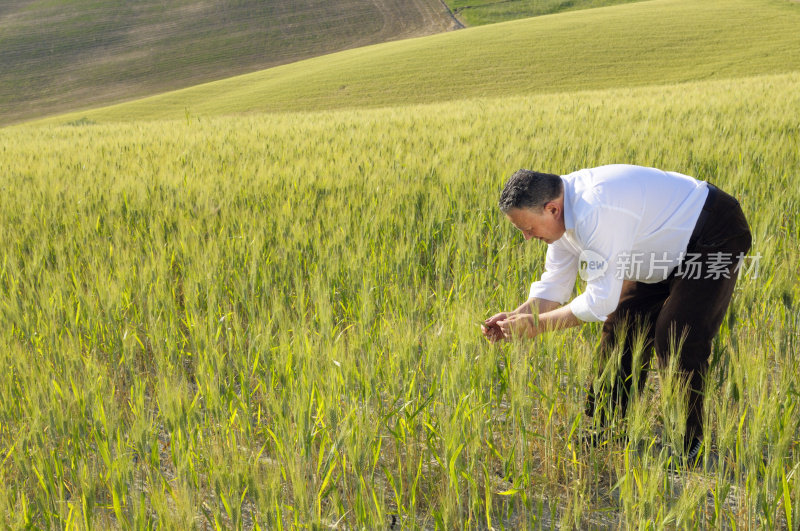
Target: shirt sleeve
[(560, 272), (609, 232)]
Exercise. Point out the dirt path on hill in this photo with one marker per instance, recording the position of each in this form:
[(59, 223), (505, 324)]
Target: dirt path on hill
[(414, 18)]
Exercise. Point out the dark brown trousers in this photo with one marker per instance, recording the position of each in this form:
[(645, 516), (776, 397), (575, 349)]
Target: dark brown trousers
[(678, 316)]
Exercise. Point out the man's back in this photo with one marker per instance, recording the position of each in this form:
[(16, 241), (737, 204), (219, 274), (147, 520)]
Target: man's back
[(664, 205)]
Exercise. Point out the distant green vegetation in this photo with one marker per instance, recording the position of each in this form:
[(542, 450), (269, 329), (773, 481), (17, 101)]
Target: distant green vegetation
[(478, 12), (645, 43), (272, 320), (56, 56)]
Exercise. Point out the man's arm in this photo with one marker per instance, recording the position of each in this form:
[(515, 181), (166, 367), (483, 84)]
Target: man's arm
[(551, 317), (556, 284), (535, 305), (529, 308), (530, 325)]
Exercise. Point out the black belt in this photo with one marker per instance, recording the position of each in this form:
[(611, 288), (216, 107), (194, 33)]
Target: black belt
[(713, 193)]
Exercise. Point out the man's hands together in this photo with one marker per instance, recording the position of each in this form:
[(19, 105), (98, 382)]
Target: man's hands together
[(510, 325), (535, 316), (491, 329)]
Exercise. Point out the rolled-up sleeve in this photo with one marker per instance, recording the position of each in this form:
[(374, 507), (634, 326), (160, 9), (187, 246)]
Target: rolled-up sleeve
[(558, 279), (609, 233)]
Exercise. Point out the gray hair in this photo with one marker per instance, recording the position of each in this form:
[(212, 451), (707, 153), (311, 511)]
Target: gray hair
[(530, 189)]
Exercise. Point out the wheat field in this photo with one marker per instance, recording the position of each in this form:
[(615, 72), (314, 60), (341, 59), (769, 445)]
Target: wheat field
[(271, 321)]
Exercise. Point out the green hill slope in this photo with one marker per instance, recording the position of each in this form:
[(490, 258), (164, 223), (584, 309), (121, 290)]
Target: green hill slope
[(479, 12), (655, 42), (56, 56)]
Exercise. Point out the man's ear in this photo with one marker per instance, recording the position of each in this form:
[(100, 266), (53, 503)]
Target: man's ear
[(551, 207)]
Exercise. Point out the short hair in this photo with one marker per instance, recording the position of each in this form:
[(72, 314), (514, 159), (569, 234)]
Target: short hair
[(530, 189)]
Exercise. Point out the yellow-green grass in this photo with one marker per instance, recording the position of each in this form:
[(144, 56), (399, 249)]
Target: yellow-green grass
[(645, 43), (272, 319), (478, 12)]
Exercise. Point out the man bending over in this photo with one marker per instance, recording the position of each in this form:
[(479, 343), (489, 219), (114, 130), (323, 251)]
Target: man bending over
[(660, 252)]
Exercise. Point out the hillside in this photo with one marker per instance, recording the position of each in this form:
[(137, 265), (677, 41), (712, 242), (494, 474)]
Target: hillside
[(637, 44), (478, 12), (57, 56)]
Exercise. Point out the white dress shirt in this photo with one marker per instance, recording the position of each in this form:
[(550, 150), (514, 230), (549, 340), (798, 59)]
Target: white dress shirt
[(634, 221)]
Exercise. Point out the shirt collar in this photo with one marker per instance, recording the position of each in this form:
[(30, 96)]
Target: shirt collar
[(569, 214)]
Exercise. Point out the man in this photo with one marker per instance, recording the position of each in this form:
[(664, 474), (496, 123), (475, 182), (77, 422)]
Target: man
[(660, 252)]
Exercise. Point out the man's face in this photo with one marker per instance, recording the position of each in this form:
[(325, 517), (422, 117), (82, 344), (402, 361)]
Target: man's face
[(546, 225)]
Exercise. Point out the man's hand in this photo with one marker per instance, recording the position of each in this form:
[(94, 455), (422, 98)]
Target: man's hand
[(525, 322), (518, 326), (491, 329)]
